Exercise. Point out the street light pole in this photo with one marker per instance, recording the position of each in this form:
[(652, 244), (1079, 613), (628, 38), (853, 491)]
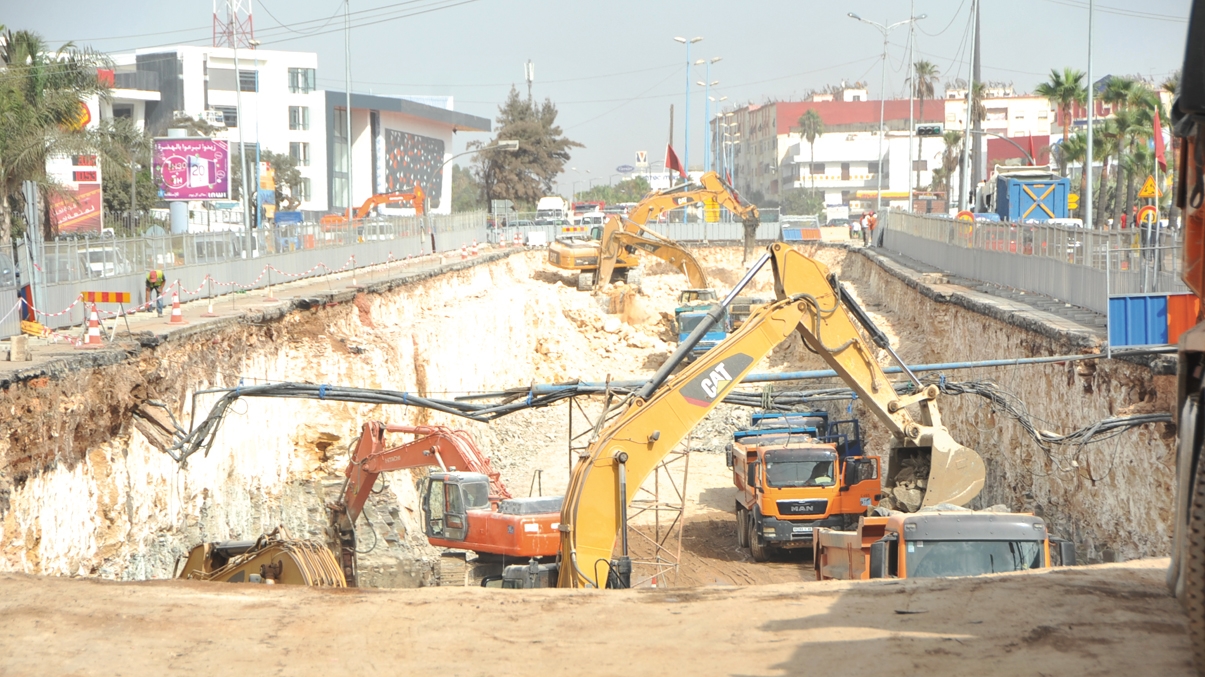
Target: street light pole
[(883, 95), (686, 125), (707, 83), (1087, 211), (242, 152)]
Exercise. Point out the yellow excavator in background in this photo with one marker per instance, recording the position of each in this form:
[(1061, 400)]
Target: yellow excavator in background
[(613, 246), (659, 416)]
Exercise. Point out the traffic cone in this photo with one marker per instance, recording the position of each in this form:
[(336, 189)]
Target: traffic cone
[(474, 249), (93, 338), (518, 240), (177, 316), (464, 254)]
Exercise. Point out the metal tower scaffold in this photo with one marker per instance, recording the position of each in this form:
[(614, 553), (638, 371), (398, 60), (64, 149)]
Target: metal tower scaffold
[(237, 29)]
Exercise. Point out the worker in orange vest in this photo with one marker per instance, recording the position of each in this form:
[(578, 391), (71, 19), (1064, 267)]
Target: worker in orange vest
[(154, 283), (872, 223)]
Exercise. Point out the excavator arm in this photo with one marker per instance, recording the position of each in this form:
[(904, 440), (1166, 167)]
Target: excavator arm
[(612, 469), (619, 232), (416, 198)]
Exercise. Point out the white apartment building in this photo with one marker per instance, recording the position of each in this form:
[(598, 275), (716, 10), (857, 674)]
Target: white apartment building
[(283, 111)]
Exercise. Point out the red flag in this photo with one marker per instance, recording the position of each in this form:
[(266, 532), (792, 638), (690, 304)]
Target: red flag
[(672, 162), (1159, 156), (1032, 153)]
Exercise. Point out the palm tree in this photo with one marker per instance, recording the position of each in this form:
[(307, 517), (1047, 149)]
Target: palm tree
[(1117, 94), (1141, 103), (41, 95), (951, 157), (1063, 90), (926, 83), (811, 127), (1075, 149)]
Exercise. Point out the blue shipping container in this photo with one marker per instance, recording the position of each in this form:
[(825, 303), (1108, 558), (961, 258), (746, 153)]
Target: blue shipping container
[(1137, 321), (1022, 200)]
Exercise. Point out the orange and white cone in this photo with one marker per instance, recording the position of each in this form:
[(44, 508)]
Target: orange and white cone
[(518, 240), (474, 249), (93, 338), (177, 315), (464, 254)]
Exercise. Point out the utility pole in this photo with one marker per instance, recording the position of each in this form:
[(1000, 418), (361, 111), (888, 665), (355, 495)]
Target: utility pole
[(964, 172), (979, 159), (1087, 196), (529, 73), (912, 83), (347, 85)]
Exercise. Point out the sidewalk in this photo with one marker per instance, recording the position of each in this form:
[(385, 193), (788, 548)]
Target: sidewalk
[(55, 356)]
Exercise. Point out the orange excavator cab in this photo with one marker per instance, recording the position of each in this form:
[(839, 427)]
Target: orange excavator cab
[(416, 197)]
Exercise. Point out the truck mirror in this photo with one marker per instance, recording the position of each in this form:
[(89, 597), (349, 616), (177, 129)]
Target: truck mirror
[(728, 455), (878, 559), (1066, 553)]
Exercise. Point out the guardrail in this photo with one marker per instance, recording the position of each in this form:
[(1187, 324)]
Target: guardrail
[(64, 268), (1075, 265)]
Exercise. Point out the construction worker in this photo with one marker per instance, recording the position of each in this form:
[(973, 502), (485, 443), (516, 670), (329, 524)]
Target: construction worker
[(872, 221), (155, 281)]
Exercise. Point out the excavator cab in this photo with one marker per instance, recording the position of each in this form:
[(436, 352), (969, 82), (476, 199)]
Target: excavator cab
[(447, 498)]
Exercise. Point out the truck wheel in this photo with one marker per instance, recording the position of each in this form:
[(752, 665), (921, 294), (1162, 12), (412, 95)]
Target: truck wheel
[(742, 534), (585, 281), (757, 547), (1194, 572)]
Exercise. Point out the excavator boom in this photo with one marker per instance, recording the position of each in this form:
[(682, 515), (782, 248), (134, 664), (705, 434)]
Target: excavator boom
[(666, 409)]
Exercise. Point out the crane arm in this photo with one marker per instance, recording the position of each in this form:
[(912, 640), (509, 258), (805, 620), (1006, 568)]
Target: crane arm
[(432, 446), (655, 421), (415, 197)]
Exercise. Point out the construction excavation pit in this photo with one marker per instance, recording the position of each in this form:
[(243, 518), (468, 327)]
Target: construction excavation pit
[(457, 428)]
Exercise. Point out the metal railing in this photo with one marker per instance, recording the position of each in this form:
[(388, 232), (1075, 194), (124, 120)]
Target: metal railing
[(64, 268), (1075, 265)]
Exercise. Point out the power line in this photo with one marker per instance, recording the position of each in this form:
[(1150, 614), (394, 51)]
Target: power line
[(507, 84)]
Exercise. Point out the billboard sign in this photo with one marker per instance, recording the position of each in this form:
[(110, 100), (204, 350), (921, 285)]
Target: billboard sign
[(192, 169), (76, 207)]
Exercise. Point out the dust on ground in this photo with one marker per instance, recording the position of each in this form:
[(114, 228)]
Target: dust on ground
[(1106, 619)]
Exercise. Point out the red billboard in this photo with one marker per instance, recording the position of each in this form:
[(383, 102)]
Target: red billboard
[(78, 210)]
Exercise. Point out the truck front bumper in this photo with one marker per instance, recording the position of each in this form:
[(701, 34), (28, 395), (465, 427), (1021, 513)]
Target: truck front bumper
[(795, 533)]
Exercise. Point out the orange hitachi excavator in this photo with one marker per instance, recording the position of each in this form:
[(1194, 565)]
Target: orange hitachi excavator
[(416, 198), (465, 506)]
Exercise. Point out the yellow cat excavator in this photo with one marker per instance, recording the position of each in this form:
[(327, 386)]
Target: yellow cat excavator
[(614, 245), (658, 417)]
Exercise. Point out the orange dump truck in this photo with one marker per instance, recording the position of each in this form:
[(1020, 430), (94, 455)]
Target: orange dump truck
[(935, 544)]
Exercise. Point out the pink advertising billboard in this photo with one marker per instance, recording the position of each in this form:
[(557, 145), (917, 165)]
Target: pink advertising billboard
[(192, 169)]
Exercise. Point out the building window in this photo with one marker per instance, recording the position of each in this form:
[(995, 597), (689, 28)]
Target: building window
[(872, 168), (845, 171), (299, 118), (248, 81), (123, 111), (817, 168), (229, 115), (300, 152), (301, 80), (920, 165), (303, 190)]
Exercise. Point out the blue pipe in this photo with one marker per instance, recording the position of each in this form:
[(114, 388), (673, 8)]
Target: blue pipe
[(547, 389)]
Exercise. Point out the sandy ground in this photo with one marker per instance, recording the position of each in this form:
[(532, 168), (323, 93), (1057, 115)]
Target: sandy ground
[(1101, 620)]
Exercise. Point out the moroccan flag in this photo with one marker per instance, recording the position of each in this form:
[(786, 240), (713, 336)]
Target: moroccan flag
[(1159, 155), (672, 162), (1032, 153)]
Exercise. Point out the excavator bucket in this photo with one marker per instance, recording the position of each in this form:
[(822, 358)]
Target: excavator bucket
[(956, 472), (944, 471)]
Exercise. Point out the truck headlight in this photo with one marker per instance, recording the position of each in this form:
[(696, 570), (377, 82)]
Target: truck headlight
[(768, 531)]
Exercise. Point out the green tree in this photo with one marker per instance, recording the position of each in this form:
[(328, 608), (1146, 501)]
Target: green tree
[(527, 174), (41, 95), (811, 127), (951, 157), (1075, 149), (628, 190), (287, 177), (1117, 94), (797, 201), (927, 75), (1063, 91), (125, 157), (466, 191)]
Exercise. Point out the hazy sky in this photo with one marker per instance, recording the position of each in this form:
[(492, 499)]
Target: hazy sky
[(613, 68)]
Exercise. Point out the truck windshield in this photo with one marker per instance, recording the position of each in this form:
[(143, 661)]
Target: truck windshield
[(687, 323), (799, 468), (933, 559)]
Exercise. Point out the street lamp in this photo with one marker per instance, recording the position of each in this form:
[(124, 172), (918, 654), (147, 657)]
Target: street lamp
[(686, 126), (503, 145), (883, 95), (714, 134)]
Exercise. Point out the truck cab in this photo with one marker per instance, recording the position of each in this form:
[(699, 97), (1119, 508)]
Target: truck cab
[(795, 473), (936, 544)]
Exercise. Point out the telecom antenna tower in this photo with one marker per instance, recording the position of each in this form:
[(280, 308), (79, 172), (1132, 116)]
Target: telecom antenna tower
[(236, 29)]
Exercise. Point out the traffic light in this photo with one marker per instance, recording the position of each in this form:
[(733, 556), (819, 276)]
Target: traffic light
[(928, 130)]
